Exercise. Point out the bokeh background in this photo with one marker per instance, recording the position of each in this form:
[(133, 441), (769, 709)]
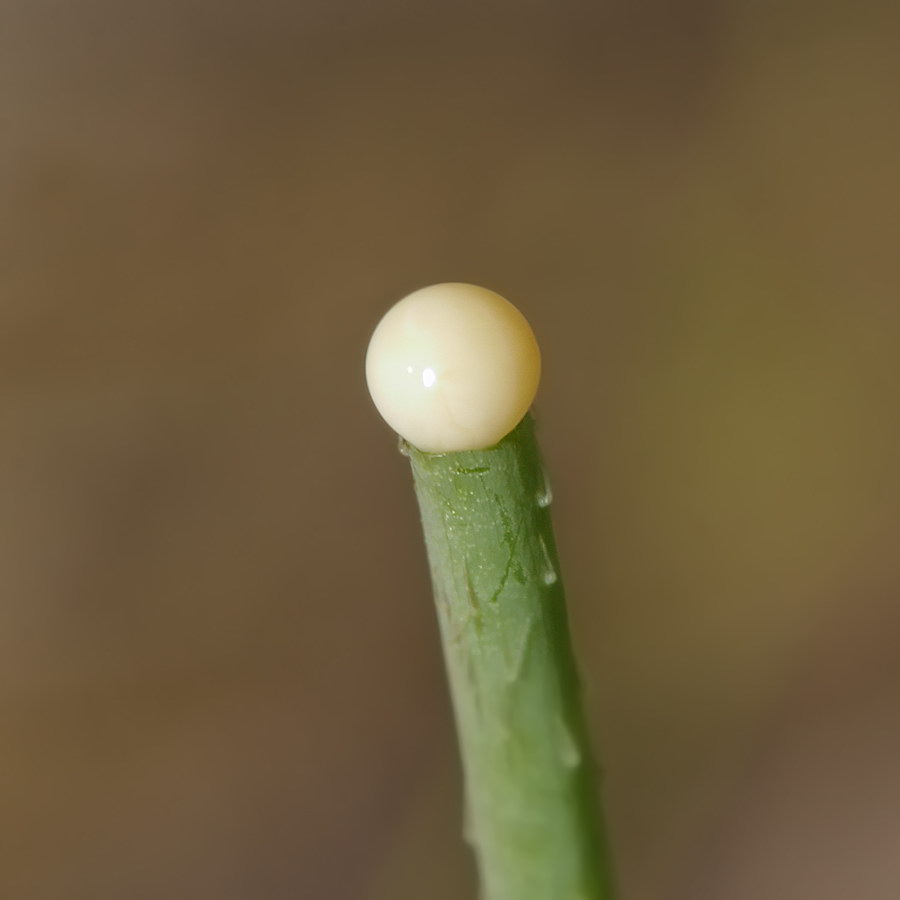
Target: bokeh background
[(219, 668)]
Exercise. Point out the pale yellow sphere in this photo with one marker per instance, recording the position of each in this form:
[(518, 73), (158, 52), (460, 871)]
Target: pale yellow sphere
[(453, 367)]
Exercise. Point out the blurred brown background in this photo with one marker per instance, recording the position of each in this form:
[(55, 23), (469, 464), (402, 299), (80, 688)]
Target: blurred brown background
[(219, 670)]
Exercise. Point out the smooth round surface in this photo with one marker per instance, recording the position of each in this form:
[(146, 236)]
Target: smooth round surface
[(453, 367)]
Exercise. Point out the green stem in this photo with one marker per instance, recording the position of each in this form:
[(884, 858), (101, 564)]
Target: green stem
[(530, 801)]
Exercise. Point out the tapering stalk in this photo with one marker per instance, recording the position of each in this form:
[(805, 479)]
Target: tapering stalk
[(530, 800)]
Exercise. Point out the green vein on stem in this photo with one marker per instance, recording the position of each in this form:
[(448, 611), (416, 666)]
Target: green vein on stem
[(531, 812)]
